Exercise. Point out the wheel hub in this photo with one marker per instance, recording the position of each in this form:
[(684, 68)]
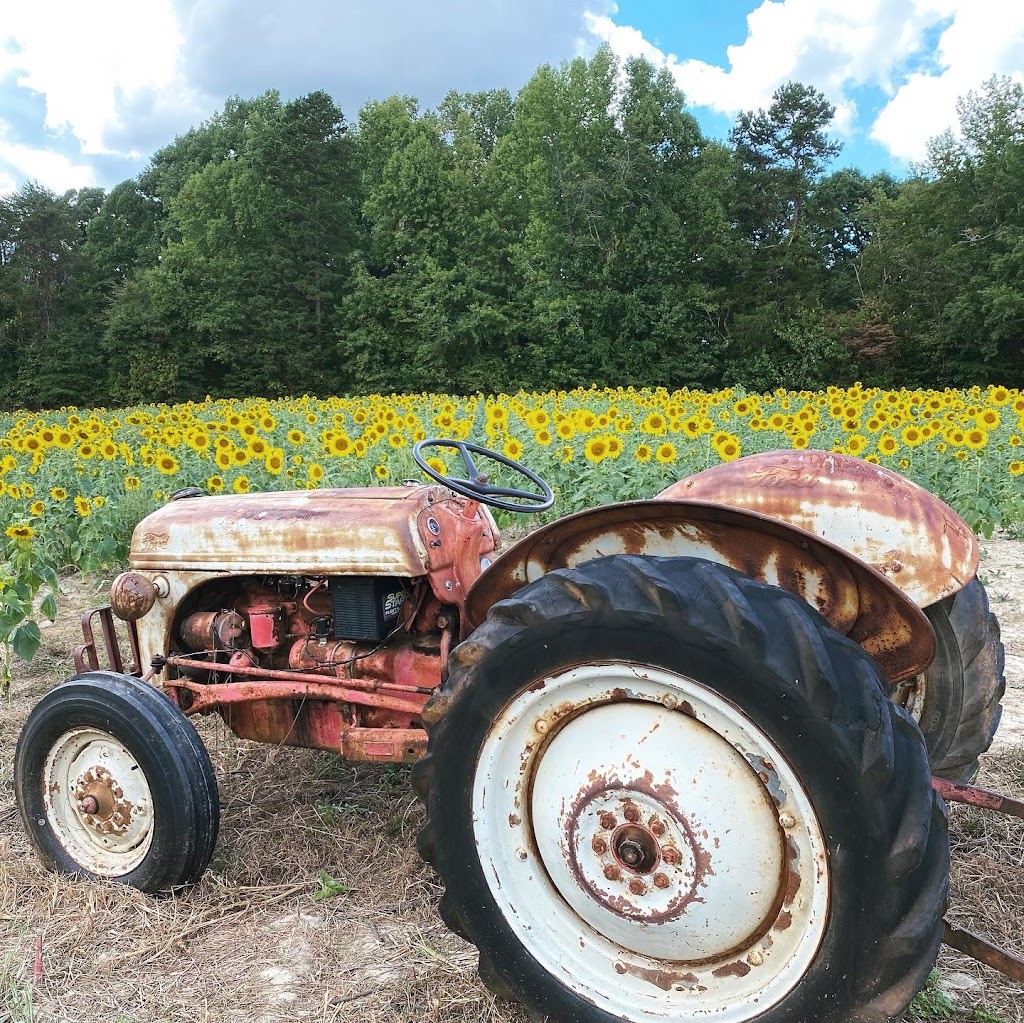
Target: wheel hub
[(98, 802), (631, 857)]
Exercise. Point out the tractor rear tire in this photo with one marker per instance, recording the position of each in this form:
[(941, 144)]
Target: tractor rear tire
[(657, 788), (959, 709), (114, 784)]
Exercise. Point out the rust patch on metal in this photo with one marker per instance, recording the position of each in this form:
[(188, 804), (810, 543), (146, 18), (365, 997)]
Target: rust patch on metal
[(975, 796), (659, 978), (783, 921), (855, 598), (368, 531), (649, 855), (101, 802), (132, 596), (514, 820), (737, 969), (892, 524), (986, 952)]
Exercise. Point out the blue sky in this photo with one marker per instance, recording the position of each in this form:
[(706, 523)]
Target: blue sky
[(89, 91)]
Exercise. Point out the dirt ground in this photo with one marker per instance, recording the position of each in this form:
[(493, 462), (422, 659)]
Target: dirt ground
[(254, 942)]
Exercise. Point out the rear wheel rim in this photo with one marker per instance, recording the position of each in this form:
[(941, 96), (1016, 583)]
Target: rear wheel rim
[(98, 802), (632, 823)]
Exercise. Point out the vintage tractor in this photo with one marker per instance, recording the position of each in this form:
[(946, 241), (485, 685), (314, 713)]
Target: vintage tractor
[(674, 753)]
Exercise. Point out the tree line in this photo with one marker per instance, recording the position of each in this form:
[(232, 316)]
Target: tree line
[(583, 231)]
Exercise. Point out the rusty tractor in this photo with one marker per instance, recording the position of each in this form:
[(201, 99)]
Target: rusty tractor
[(682, 758)]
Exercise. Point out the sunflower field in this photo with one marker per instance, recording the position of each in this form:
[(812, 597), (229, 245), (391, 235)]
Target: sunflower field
[(74, 482)]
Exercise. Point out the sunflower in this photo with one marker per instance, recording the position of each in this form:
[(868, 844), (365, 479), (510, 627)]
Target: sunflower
[(976, 439), (83, 507), (654, 424), (912, 436), (167, 464), (396, 440), (339, 444), (315, 471), (513, 449), (241, 485), (666, 453), (1016, 468), (643, 453), (989, 419), (888, 444), (37, 507), (596, 449), (58, 494), (274, 463), (20, 531), (729, 450), (381, 471), (542, 437), (296, 437), (198, 441), (438, 465), (215, 484)]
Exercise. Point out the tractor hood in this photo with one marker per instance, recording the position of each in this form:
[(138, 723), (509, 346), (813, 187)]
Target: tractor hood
[(915, 540), (370, 531)]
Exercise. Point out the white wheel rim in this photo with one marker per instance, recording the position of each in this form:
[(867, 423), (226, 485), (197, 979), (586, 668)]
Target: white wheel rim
[(650, 846), (98, 802)]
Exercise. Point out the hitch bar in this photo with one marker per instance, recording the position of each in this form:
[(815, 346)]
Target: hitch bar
[(965, 941)]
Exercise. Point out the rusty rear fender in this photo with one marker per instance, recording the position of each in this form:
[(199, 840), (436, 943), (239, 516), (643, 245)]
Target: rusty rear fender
[(914, 539), (854, 598)]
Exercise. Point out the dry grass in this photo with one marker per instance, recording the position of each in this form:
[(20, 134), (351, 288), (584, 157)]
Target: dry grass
[(253, 944)]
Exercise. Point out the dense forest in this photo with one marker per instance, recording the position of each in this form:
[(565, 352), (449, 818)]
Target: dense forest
[(582, 231)]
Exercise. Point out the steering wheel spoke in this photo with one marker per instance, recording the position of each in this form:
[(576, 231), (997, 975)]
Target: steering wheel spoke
[(475, 484)]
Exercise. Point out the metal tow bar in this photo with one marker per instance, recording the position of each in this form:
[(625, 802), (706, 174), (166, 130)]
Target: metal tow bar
[(966, 941)]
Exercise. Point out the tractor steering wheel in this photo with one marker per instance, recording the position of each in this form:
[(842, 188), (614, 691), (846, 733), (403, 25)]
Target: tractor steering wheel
[(474, 484)]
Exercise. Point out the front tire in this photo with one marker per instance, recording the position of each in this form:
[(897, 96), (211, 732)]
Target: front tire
[(659, 789), (114, 783)]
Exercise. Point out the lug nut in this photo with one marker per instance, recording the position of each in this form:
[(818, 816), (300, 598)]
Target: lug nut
[(755, 957), (607, 821), (661, 880), (611, 872), (787, 820), (670, 855), (657, 828), (599, 845), (89, 805), (637, 887), (631, 813)]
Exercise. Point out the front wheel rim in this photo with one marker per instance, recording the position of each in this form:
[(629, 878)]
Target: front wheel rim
[(649, 845), (98, 802)]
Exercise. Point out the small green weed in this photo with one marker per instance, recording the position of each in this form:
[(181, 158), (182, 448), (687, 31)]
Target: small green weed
[(17, 1004), (329, 886), (930, 1002)]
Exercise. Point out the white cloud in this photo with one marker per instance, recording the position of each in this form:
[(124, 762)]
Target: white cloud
[(838, 46), (51, 169), (121, 78), (983, 39), (87, 62)]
